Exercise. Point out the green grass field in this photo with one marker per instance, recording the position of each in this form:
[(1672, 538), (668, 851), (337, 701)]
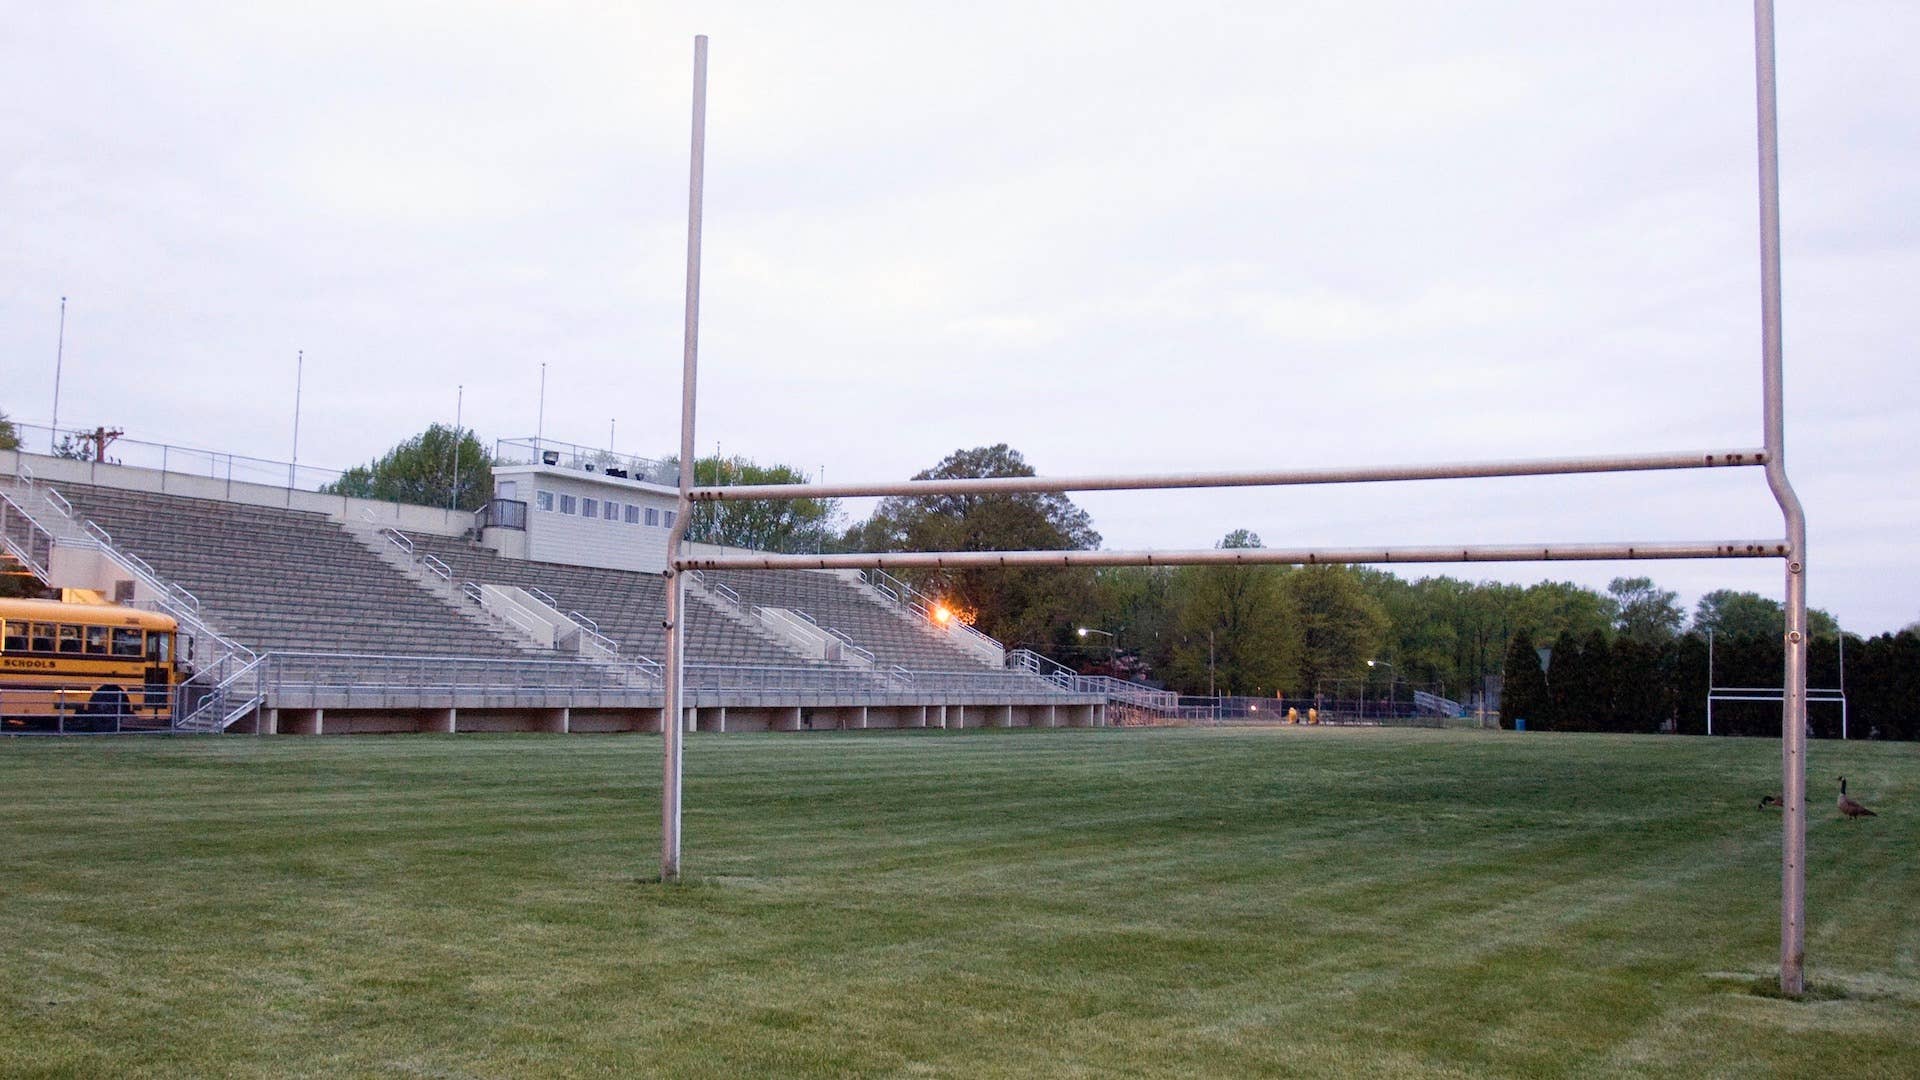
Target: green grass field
[(1069, 903)]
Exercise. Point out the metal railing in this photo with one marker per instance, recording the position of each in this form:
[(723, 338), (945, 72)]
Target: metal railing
[(25, 538), (82, 710), (914, 600), (172, 460), (501, 514), (532, 451), (1143, 697)]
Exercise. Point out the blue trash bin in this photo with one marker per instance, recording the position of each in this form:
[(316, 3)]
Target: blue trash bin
[(1519, 723)]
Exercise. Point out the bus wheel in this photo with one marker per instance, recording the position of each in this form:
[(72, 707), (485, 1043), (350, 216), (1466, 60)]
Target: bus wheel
[(108, 707)]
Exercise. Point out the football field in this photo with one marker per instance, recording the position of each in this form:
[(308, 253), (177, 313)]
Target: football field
[(1008, 903)]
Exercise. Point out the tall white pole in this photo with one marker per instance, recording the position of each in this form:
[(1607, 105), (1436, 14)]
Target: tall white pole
[(674, 690), (299, 374), (1793, 741), (540, 418), (59, 358), (459, 400)]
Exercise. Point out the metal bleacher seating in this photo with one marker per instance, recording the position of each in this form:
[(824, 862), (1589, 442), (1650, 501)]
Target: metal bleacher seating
[(627, 605), (835, 602), (285, 580)]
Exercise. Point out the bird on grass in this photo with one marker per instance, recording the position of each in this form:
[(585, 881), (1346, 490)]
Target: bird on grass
[(1771, 800), (1848, 806)]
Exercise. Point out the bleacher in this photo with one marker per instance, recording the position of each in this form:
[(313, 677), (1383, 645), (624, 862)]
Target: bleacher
[(627, 606), (834, 602), (285, 580)]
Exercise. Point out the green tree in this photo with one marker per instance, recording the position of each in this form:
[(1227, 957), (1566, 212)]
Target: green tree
[(1726, 613), (1136, 604), (763, 525), (9, 435), (1646, 614), (422, 469), (1232, 631), (1552, 609), (1523, 689), (1038, 607), (1580, 678), (1336, 626)]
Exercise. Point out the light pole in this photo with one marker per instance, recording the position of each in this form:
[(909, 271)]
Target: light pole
[(59, 357), (299, 372), (459, 402), (1392, 673), (1113, 640)]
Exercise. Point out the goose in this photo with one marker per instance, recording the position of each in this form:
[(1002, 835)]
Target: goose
[(1771, 800), (1849, 807)]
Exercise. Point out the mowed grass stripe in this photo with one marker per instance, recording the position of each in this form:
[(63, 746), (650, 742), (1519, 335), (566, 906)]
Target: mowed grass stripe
[(1000, 903)]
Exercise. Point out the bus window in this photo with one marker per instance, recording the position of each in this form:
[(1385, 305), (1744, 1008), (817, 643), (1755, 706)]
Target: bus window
[(97, 640), (14, 638), (42, 637), (126, 643), (69, 638), (159, 648)]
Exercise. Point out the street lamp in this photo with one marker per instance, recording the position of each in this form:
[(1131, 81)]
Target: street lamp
[(1391, 676)]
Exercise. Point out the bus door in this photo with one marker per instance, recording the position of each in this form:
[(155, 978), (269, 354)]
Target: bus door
[(159, 674)]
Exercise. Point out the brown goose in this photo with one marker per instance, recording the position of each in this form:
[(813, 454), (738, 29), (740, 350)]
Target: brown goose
[(1848, 806)]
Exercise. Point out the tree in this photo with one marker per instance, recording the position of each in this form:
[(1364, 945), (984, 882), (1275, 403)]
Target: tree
[(1336, 625), (1232, 629), (1552, 609), (422, 469), (1726, 613), (1040, 607), (9, 435), (1580, 679), (763, 524), (1137, 605), (1646, 614), (1523, 689)]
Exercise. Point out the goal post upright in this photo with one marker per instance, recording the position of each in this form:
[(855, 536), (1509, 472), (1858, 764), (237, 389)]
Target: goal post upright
[(1793, 721), (1791, 548), (673, 681)]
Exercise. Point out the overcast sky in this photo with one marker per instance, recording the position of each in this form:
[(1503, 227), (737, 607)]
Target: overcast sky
[(1116, 236)]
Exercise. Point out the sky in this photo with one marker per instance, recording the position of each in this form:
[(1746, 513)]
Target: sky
[(1120, 237)]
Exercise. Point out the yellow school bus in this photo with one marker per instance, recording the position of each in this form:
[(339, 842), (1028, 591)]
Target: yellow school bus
[(85, 667)]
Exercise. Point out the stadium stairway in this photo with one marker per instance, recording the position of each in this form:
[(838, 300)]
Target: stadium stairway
[(628, 606), (896, 637)]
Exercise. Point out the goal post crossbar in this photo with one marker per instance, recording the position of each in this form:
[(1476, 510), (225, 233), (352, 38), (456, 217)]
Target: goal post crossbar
[(968, 560), (1041, 485)]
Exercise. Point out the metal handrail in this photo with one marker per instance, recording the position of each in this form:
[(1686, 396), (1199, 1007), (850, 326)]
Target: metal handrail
[(541, 595), (397, 539), (59, 501), (849, 644), (428, 560), (583, 620)]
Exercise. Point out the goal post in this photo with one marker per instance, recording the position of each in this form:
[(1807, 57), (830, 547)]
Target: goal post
[(1790, 547)]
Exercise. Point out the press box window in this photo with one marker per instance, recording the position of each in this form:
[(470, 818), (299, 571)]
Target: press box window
[(610, 511), (590, 508), (653, 515), (543, 500), (633, 514), (569, 504)]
